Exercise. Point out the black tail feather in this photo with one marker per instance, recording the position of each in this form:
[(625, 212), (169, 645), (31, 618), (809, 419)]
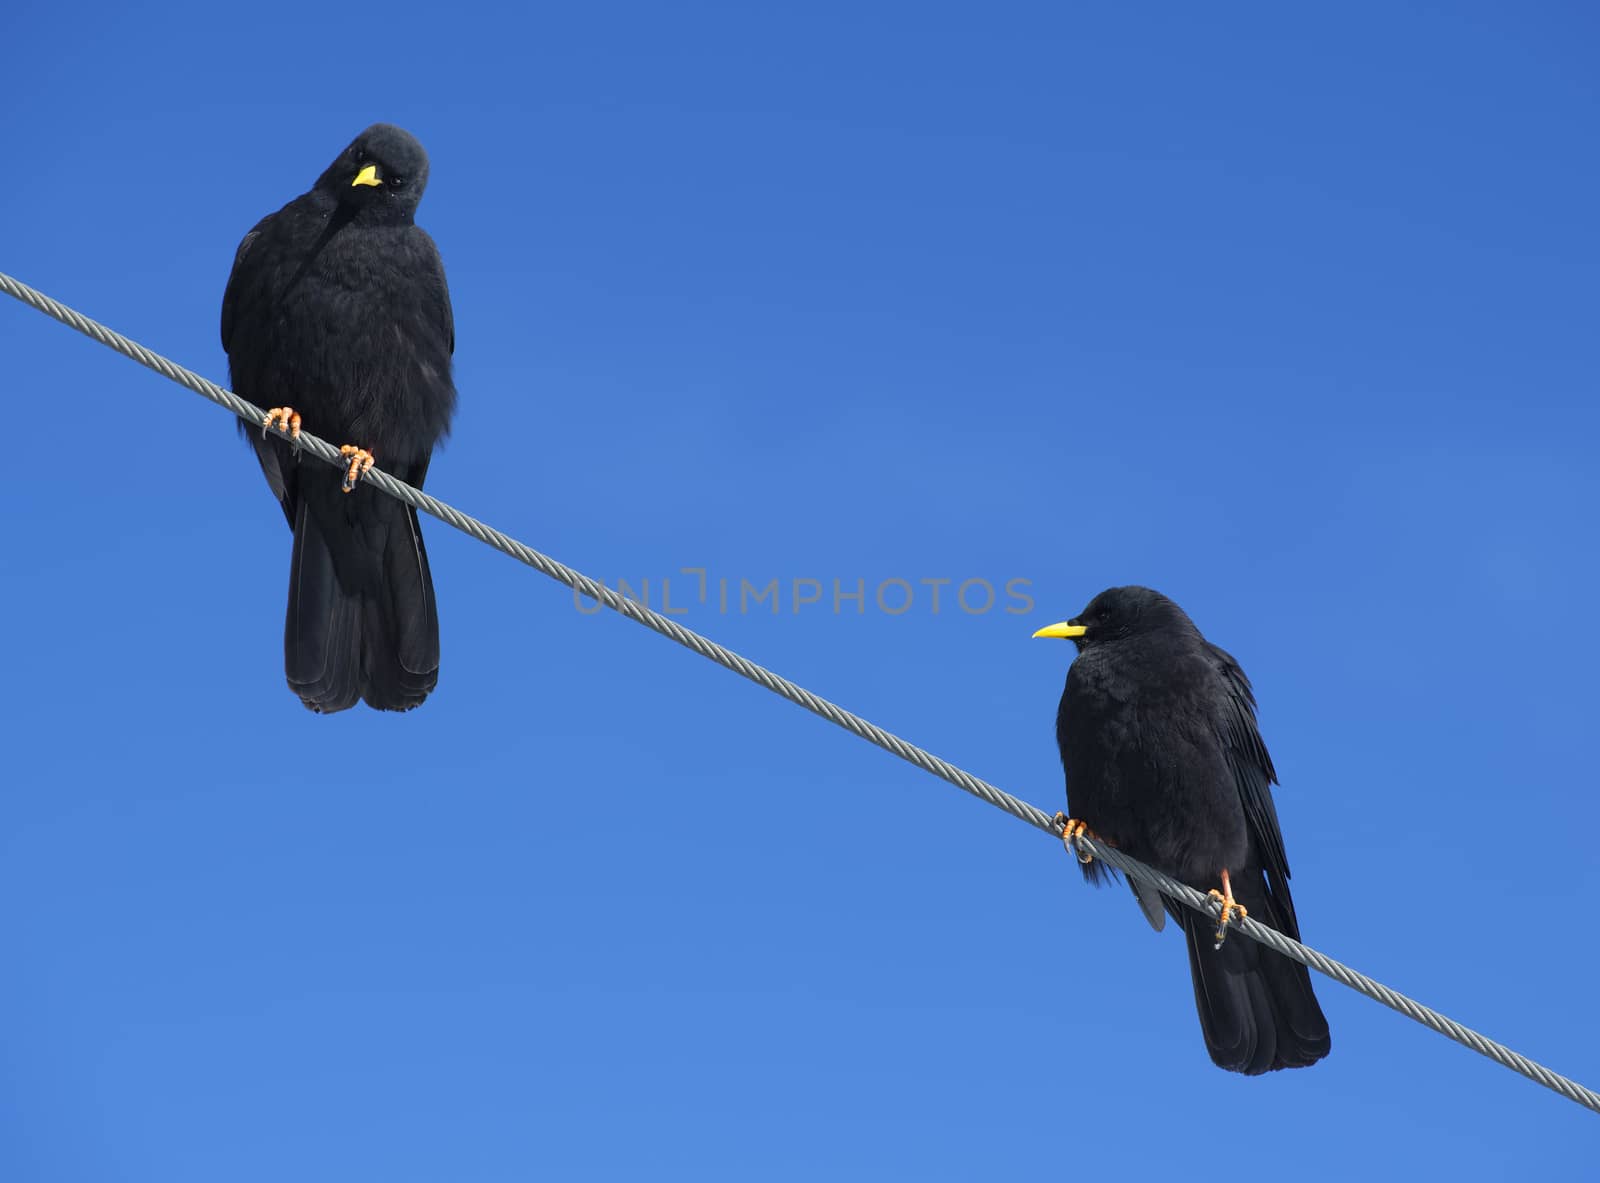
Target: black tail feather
[(360, 629), (402, 622), (1257, 1009)]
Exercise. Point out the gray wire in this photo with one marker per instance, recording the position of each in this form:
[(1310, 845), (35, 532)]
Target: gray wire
[(851, 722)]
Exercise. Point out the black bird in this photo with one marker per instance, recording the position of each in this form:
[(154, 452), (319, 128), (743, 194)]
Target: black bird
[(337, 312), (1157, 730)]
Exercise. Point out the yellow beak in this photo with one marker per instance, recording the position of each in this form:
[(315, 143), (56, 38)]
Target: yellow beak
[(1062, 630), (367, 176)]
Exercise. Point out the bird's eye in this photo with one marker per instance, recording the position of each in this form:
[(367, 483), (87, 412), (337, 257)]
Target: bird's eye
[(398, 182), (361, 155)]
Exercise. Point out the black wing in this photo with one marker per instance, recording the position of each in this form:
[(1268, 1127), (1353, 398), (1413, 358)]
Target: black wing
[(438, 291), (240, 281), (236, 279), (1252, 768)]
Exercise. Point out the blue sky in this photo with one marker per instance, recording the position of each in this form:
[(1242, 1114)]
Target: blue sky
[(1287, 313)]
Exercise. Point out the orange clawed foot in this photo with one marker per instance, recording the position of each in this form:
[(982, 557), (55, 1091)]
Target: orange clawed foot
[(284, 419), (1230, 908), (1071, 828), (361, 463)]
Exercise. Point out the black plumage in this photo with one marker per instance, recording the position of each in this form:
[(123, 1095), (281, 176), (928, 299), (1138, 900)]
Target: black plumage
[(337, 308), (1163, 761)]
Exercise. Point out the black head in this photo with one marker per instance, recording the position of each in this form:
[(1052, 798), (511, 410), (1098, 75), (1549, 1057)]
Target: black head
[(1120, 612), (380, 176)]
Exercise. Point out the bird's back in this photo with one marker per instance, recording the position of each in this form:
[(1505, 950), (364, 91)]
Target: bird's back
[(1139, 733)]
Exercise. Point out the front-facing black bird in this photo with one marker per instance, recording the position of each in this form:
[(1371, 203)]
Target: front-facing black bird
[(1157, 729), (337, 315)]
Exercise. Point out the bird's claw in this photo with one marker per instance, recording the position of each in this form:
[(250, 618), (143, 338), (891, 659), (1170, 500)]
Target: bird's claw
[(285, 419), (1230, 908), (1071, 830), (361, 463)]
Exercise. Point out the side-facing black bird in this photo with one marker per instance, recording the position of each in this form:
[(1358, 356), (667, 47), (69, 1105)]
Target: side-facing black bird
[(1157, 730), (337, 313)]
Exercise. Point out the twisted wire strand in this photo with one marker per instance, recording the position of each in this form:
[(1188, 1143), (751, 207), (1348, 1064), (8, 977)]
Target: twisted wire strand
[(800, 696)]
